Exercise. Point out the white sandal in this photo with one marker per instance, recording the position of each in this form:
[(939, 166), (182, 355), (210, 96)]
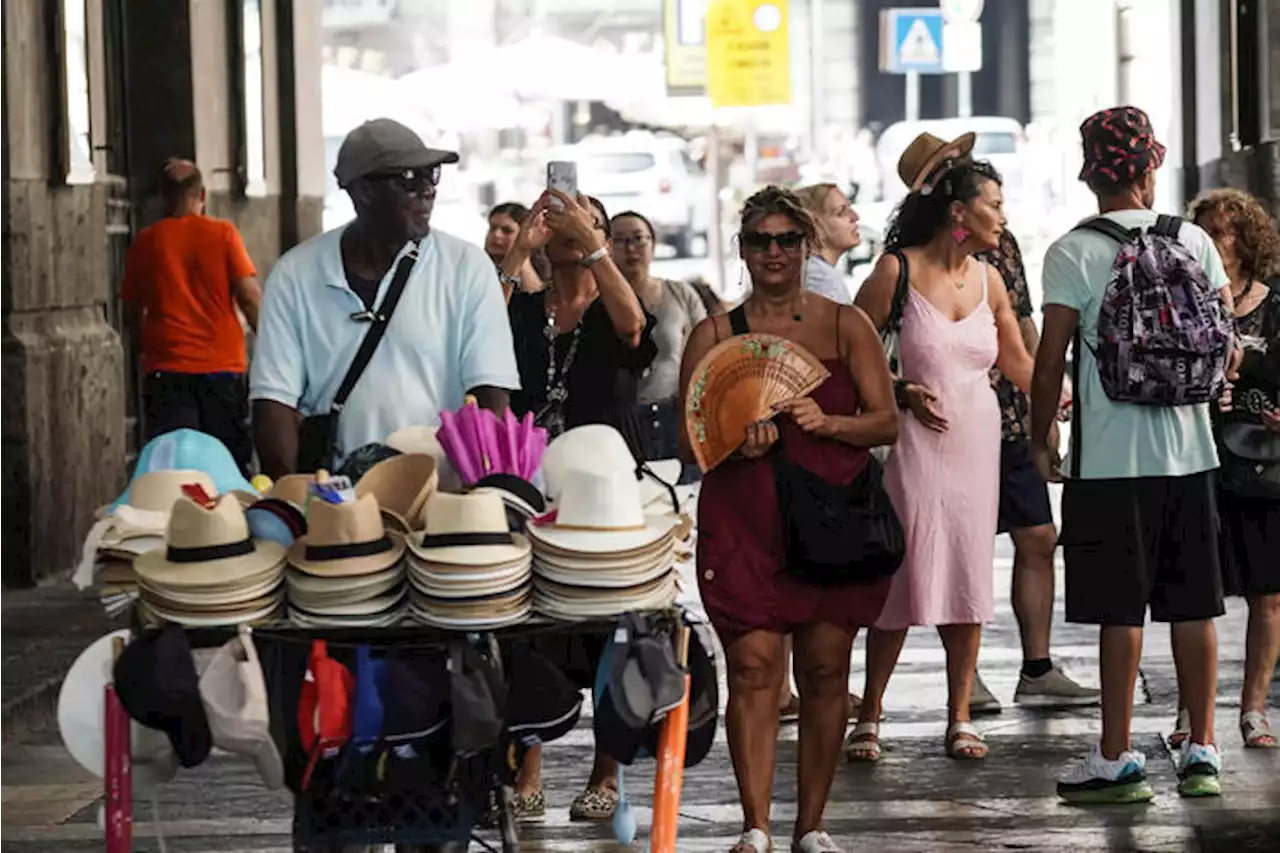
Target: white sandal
[(863, 743), (963, 736), (753, 841), (1256, 731), (815, 841)]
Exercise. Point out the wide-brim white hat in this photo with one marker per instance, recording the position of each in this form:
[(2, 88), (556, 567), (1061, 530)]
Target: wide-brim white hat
[(605, 542), (81, 718), (471, 585), (615, 577), (267, 612), (601, 513)]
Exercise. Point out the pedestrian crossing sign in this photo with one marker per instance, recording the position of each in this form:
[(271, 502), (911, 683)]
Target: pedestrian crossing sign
[(911, 40)]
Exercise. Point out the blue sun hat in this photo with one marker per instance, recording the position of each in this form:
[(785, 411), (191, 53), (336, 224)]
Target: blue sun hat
[(189, 449)]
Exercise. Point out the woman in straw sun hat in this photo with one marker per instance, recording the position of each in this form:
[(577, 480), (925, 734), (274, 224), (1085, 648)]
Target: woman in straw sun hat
[(1024, 511)]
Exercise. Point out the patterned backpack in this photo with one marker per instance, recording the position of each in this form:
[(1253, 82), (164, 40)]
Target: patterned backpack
[(1163, 332)]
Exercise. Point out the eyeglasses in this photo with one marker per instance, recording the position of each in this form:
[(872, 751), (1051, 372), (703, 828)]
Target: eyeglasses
[(411, 181), (638, 242), (760, 241)]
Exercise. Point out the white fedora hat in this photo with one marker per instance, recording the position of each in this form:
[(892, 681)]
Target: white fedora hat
[(602, 449), (81, 705), (234, 693), (345, 540), (601, 513), (208, 546), (468, 530)]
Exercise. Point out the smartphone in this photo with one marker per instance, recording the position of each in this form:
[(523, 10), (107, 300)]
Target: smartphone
[(562, 175)]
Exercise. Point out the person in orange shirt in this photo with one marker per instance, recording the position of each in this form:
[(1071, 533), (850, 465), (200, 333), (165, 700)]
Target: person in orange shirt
[(184, 278)]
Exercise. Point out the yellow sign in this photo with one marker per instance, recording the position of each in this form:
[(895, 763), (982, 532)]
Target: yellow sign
[(684, 28), (748, 53)]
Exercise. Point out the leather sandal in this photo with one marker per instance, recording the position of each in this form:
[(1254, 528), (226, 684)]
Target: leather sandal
[(1256, 731), (863, 743), (753, 841), (965, 743)]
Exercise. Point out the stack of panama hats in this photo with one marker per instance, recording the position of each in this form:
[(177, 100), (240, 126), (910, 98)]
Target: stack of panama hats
[(128, 529), (401, 484), (601, 448), (467, 570), (600, 554), (347, 570), (211, 571)]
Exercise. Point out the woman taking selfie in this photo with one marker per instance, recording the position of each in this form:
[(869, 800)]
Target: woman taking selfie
[(742, 567), (943, 475)]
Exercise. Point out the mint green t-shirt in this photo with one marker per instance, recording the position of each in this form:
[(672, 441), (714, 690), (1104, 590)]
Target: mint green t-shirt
[(1122, 439)]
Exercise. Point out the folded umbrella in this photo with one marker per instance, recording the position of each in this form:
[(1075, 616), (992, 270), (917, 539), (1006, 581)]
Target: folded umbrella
[(455, 445)]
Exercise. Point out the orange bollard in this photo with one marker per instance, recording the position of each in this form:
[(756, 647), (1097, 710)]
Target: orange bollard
[(669, 780)]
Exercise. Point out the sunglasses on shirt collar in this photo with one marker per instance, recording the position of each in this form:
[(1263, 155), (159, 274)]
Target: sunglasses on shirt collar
[(759, 241), (410, 180)]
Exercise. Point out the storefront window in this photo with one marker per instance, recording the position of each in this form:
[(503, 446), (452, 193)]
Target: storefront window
[(254, 165), (76, 161)]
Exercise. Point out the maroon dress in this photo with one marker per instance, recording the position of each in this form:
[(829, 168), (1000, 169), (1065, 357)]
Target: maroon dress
[(740, 544)]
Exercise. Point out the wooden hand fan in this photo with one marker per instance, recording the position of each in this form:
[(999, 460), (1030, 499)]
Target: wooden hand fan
[(737, 383)]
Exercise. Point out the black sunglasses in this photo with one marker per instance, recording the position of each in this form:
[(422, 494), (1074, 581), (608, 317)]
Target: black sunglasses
[(411, 181), (759, 241)]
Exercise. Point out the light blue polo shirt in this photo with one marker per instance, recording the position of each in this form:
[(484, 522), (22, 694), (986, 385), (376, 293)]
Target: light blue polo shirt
[(449, 334), (1124, 440)]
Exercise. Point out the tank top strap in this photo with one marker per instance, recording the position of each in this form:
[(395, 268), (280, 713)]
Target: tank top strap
[(986, 277), (839, 354)]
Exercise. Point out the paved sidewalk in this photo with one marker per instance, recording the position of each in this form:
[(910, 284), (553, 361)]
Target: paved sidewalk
[(45, 628)]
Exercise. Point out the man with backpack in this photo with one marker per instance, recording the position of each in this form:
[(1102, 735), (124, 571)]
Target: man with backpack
[(1144, 298)]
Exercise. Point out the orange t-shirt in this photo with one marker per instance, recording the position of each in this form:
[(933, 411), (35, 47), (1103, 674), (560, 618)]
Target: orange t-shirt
[(180, 271)]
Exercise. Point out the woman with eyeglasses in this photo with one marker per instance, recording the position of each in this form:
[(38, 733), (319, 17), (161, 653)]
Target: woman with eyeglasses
[(944, 473), (505, 221), (677, 309), (752, 600), (581, 346)]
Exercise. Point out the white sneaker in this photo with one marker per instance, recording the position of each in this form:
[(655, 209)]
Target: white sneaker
[(1054, 689), (1094, 779)]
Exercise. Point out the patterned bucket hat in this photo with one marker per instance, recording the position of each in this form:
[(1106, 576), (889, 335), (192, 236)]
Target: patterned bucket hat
[(1120, 145)]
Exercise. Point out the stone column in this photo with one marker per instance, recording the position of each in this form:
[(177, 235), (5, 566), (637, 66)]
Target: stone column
[(63, 400)]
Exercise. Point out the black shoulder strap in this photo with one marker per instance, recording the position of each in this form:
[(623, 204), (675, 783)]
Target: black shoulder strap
[(1077, 436), (1167, 226), (1107, 228), (900, 292), (738, 320), (377, 328)]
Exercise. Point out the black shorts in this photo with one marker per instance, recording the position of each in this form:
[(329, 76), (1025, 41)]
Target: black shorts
[(1024, 497), (1134, 543), (1250, 545)]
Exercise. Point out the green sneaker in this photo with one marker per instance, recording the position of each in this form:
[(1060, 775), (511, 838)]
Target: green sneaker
[(1096, 780), (1199, 770)]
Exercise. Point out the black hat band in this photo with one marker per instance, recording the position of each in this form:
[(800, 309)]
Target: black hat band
[(174, 554), (320, 553), (455, 540)]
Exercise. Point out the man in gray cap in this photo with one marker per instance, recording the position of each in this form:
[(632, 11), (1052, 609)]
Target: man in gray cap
[(446, 337)]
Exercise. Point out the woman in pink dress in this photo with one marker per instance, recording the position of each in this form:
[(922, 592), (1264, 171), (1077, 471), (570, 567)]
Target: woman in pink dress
[(943, 474)]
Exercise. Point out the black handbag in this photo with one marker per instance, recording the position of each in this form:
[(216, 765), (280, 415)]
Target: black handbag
[(837, 535), (318, 434), (1250, 461)]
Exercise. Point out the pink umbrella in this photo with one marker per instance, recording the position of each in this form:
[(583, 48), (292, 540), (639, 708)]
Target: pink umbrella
[(461, 453)]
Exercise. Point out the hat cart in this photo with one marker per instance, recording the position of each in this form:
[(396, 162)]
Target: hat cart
[(447, 797)]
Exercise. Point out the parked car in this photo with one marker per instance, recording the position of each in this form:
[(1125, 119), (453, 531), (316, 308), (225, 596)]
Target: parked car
[(652, 174)]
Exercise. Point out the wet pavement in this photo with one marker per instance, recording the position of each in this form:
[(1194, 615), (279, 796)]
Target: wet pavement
[(915, 799)]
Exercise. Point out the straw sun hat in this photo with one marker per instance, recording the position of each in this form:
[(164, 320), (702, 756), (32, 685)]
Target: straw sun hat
[(926, 152), (345, 540), (208, 547)]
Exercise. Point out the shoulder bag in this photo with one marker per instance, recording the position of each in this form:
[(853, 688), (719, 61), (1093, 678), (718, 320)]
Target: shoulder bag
[(318, 434), (834, 535)]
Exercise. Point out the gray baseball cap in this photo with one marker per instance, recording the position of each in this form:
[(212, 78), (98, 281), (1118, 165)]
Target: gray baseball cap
[(384, 145)]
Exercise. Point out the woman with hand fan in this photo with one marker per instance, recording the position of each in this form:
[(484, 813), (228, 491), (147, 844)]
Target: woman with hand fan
[(751, 598)]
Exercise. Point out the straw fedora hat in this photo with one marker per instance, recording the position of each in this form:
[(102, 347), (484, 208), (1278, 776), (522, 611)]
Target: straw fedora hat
[(292, 488), (926, 152), (468, 530), (158, 491), (208, 546), (402, 485), (424, 439), (345, 540), (601, 513)]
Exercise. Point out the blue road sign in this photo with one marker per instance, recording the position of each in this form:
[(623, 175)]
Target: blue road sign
[(912, 41)]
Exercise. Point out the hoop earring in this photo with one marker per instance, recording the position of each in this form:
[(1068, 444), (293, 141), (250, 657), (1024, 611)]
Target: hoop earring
[(959, 234)]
